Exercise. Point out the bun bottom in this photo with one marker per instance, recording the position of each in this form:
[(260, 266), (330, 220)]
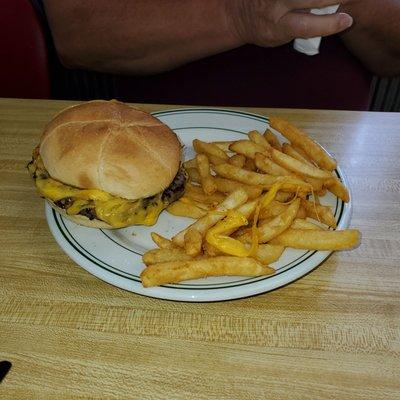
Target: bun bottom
[(81, 219)]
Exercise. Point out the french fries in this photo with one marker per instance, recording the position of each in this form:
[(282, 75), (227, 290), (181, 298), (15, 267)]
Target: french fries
[(303, 224), (224, 145), (194, 175), (203, 167), (338, 189), (247, 148), (256, 137), (228, 186), (272, 140), (267, 166), (297, 166), (235, 199), (310, 239), (291, 184), (250, 199), (271, 228), (238, 159), (268, 253), (300, 139), (197, 194), (165, 255), (291, 151), (320, 213), (182, 209), (177, 271), (193, 241), (162, 242), (209, 149)]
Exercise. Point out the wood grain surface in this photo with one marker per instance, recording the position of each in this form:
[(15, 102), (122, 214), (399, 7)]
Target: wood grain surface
[(334, 334)]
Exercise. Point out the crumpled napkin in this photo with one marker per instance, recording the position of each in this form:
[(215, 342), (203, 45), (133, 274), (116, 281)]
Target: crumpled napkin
[(311, 46)]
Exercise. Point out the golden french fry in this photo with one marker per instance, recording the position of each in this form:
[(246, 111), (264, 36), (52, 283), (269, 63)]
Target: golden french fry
[(284, 197), (203, 166), (303, 224), (193, 240), (256, 137), (228, 186), (322, 192), (198, 204), (302, 154), (318, 239), (290, 183), (338, 189), (192, 163), (272, 140), (174, 272), (292, 152), (210, 250), (156, 256), (233, 200), (271, 228), (194, 175), (302, 213), (250, 165), (297, 166), (274, 208), (214, 160), (317, 184), (247, 148), (197, 194), (320, 213), (162, 242), (266, 165), (300, 139), (246, 210), (209, 149), (223, 145), (279, 223), (268, 253), (238, 159), (189, 210)]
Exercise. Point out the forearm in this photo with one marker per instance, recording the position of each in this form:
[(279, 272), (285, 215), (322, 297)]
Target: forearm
[(375, 35), (150, 36), (138, 36)]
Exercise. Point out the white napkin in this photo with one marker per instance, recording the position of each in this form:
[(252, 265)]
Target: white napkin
[(311, 46)]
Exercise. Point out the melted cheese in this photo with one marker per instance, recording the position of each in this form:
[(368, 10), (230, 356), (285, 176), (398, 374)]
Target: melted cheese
[(217, 235), (116, 211)]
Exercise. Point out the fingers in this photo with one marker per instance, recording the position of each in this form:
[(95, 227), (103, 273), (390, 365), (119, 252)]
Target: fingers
[(306, 4), (301, 25)]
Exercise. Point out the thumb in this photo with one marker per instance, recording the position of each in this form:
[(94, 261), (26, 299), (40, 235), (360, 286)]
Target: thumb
[(303, 25)]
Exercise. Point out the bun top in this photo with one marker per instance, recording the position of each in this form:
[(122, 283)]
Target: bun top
[(111, 146)]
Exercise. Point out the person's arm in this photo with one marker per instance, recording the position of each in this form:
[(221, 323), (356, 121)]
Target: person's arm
[(375, 35), (150, 36)]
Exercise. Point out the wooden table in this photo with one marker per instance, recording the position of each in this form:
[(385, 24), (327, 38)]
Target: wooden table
[(334, 334)]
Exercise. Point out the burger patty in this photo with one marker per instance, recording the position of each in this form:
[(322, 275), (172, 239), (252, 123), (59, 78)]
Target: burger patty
[(175, 190), (172, 193)]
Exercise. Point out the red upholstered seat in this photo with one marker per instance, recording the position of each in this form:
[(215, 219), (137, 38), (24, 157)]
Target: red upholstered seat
[(24, 68)]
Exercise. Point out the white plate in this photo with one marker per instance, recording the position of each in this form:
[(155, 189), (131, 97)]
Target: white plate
[(115, 256)]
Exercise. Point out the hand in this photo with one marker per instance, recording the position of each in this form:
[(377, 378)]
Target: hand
[(271, 23)]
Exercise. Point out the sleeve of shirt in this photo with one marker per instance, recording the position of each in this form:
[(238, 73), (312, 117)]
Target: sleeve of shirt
[(311, 46)]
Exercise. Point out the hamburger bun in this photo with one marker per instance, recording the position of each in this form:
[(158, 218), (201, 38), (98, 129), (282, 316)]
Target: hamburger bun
[(111, 146)]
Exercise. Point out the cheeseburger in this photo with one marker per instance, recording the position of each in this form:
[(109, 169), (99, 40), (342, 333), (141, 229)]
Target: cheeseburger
[(105, 164)]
